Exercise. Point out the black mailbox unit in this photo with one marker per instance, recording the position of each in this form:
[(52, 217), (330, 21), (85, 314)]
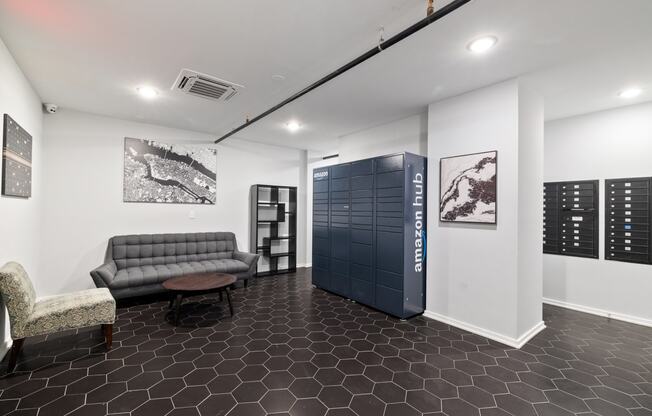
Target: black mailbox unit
[(550, 218), (576, 218), (627, 220), (369, 226)]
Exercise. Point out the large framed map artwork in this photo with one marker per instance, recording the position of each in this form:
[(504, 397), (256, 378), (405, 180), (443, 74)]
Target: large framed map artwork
[(169, 173)]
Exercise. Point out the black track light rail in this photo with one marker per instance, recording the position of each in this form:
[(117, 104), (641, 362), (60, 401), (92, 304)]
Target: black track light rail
[(428, 20)]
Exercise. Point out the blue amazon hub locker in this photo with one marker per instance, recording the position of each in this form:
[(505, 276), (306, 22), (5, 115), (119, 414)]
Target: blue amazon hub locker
[(369, 232)]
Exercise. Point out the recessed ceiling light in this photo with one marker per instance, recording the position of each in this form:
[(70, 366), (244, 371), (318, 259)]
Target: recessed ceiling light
[(293, 126), (482, 44), (147, 92), (278, 77), (630, 93)]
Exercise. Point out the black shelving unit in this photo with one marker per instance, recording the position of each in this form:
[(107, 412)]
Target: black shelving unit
[(274, 228)]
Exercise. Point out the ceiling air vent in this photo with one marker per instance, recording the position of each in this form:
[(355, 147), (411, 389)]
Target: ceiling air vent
[(205, 86)]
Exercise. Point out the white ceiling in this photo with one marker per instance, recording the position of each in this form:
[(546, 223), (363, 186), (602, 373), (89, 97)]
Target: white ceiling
[(91, 55)]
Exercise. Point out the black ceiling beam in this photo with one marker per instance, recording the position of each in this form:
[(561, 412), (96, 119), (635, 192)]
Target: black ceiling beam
[(428, 20)]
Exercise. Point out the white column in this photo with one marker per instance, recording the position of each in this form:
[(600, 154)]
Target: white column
[(487, 278)]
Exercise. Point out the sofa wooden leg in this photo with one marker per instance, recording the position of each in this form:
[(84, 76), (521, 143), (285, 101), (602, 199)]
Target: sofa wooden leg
[(13, 355), (107, 329)]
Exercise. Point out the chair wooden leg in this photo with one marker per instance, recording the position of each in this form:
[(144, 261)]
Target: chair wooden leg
[(107, 329), (13, 355), (246, 282)]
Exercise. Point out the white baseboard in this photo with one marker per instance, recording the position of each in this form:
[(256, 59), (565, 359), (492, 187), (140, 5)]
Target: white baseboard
[(306, 265), (600, 312), (503, 339)]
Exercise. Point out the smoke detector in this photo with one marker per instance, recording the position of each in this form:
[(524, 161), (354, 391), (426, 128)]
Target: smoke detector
[(205, 86)]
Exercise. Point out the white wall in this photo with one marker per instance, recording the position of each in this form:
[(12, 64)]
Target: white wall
[(19, 218), (314, 161), (409, 134), (604, 145), (530, 208), (83, 201), (478, 276)]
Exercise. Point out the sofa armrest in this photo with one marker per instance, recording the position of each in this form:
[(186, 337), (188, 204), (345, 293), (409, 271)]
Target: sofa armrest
[(104, 275), (249, 259)]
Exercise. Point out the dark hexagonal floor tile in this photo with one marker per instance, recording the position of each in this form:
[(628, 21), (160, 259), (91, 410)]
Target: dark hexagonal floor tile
[(308, 407), (458, 407), (378, 373), (476, 396), (190, 396), (401, 409), (304, 388), (200, 377), (278, 380), (423, 401), (253, 372), (153, 407), (350, 367), (408, 380), (277, 401), (107, 392), (325, 360), (303, 369), (389, 392), (367, 405), (223, 384), (335, 396), (128, 401), (247, 409), (278, 363), (63, 405), (250, 391), (326, 356), (217, 404), (329, 376), (231, 366)]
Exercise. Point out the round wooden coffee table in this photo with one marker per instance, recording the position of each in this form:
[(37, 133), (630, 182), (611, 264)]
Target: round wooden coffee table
[(195, 284)]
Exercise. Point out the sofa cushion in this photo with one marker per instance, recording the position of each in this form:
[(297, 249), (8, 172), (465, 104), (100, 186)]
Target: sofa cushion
[(152, 274), (73, 310), (160, 249)]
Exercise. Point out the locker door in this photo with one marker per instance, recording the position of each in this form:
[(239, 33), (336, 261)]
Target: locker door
[(361, 249), (550, 218), (389, 179), (578, 218), (320, 229), (628, 220), (340, 229)]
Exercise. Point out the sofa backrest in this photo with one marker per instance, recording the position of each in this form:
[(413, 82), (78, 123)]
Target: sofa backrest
[(155, 249)]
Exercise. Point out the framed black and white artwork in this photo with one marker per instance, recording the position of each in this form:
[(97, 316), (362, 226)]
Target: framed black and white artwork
[(467, 187), (169, 173), (16, 160)]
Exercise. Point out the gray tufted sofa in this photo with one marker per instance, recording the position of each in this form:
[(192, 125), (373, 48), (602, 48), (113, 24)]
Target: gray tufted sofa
[(136, 265)]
